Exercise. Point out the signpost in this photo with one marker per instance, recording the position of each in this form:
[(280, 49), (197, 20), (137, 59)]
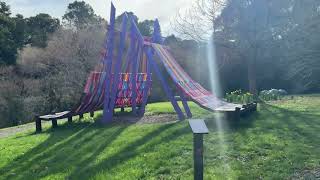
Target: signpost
[(199, 128)]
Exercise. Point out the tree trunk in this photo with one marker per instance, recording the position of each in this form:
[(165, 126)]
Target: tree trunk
[(252, 78), (252, 74)]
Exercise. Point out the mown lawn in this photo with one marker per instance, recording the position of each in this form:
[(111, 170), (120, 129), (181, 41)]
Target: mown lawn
[(280, 141)]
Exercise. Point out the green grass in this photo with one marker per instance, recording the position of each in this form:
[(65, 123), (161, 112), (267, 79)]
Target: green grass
[(276, 142)]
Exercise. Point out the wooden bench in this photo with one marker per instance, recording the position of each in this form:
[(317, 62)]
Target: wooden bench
[(55, 117)]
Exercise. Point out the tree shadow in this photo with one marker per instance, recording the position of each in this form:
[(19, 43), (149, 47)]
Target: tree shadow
[(73, 149), (277, 142), (82, 142), (129, 152), (231, 125), (304, 124)]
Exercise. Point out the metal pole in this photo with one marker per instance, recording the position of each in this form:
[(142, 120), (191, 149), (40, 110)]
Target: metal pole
[(198, 156)]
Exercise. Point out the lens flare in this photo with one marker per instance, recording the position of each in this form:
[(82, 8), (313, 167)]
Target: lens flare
[(219, 119)]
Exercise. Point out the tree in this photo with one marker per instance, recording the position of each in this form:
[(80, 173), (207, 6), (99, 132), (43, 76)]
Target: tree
[(4, 9), (39, 28), (146, 27), (197, 22), (80, 14), (275, 41), (20, 33), (8, 46), (120, 17), (302, 44), (251, 35)]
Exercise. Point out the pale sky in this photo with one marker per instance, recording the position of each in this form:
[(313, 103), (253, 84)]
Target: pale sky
[(164, 10)]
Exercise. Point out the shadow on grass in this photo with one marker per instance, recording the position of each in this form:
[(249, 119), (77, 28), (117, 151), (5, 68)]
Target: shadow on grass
[(230, 125), (73, 149), (304, 124), (62, 146), (272, 143), (130, 151)]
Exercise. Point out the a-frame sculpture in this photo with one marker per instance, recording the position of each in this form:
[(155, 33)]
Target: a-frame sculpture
[(123, 77), (139, 56)]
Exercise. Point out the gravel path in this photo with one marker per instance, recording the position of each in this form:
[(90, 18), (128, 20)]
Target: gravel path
[(6, 132)]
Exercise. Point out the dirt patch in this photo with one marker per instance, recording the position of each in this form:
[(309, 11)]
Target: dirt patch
[(161, 118)]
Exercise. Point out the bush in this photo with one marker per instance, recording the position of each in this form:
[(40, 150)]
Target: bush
[(272, 94), (11, 103), (240, 97), (50, 79)]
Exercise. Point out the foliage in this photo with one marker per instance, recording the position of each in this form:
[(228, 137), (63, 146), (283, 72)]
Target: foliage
[(16, 32), (4, 9), (272, 94), (50, 79), (80, 14), (145, 27), (12, 109), (8, 46), (63, 66), (20, 32), (239, 96), (39, 27), (270, 144)]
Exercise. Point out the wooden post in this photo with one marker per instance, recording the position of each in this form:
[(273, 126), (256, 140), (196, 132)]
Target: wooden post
[(118, 64), (146, 88), (108, 64), (199, 128), (198, 156), (70, 119), (134, 78), (165, 86), (185, 105), (246, 108), (38, 124), (54, 123), (237, 114), (255, 106), (138, 44), (92, 114)]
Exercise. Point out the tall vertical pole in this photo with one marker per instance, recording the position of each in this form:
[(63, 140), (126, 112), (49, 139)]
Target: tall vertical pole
[(108, 62), (118, 66), (137, 35), (147, 85), (198, 156)]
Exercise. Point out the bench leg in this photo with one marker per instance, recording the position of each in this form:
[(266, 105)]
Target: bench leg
[(92, 114), (234, 115), (38, 125), (54, 123), (70, 119)]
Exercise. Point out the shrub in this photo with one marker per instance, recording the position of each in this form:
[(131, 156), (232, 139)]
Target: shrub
[(239, 96), (272, 94)]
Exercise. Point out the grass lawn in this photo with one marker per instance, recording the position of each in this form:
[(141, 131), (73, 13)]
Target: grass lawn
[(280, 141)]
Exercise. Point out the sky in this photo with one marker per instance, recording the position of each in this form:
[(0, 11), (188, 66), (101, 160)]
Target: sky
[(164, 10)]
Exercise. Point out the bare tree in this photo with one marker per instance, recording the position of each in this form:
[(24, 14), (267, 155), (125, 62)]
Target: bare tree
[(197, 22)]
